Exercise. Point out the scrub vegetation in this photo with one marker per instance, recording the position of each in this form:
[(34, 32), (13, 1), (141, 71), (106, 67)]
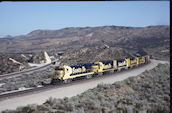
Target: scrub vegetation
[(148, 92)]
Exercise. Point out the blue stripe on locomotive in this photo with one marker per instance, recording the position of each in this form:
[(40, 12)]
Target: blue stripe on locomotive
[(87, 66), (132, 58), (108, 62), (119, 61)]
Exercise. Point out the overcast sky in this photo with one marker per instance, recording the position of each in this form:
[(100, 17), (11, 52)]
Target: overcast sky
[(20, 18)]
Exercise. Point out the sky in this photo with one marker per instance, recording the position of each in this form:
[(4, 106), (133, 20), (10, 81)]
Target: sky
[(20, 18)]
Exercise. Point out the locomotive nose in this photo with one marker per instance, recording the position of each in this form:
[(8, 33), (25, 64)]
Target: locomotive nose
[(60, 74), (94, 68)]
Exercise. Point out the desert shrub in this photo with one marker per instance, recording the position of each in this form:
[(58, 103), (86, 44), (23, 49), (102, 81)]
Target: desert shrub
[(79, 110), (69, 106), (51, 101), (27, 109), (43, 108), (100, 96), (117, 84)]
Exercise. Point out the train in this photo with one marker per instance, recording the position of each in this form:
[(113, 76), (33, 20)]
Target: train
[(66, 74)]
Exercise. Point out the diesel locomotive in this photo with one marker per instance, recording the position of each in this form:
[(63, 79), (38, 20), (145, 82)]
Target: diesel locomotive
[(67, 73)]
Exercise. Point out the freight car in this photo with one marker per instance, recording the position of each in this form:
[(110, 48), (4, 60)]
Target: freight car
[(66, 73)]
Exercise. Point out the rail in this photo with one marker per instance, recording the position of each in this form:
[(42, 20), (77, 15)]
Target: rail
[(47, 87)]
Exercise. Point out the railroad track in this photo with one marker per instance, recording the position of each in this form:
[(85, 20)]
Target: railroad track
[(48, 87), (15, 74)]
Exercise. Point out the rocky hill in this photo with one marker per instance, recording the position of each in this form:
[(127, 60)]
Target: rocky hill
[(41, 58), (88, 44), (146, 93), (90, 55), (12, 63), (131, 38), (16, 62)]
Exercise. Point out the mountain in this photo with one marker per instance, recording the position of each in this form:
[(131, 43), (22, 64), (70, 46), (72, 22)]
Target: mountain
[(131, 38)]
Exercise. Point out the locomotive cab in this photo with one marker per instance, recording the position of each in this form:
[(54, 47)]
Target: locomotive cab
[(59, 72), (62, 72)]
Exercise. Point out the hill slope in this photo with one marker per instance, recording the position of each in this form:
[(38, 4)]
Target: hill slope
[(115, 36)]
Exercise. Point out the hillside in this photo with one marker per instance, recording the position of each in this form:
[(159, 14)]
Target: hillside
[(17, 61), (131, 38), (87, 44), (93, 54)]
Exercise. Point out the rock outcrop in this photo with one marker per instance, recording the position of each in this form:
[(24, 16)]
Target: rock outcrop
[(15, 62), (41, 58), (10, 65), (15, 65)]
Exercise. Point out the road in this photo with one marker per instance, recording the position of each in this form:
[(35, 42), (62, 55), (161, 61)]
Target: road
[(73, 89)]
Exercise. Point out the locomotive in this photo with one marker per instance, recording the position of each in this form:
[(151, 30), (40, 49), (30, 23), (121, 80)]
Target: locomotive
[(67, 73)]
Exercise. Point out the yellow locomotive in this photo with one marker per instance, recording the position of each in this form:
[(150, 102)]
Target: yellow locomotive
[(67, 73)]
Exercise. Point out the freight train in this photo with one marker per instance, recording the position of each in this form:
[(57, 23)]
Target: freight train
[(66, 73)]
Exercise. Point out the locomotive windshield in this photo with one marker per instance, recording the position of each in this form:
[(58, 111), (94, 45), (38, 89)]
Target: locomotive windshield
[(96, 64), (58, 68)]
